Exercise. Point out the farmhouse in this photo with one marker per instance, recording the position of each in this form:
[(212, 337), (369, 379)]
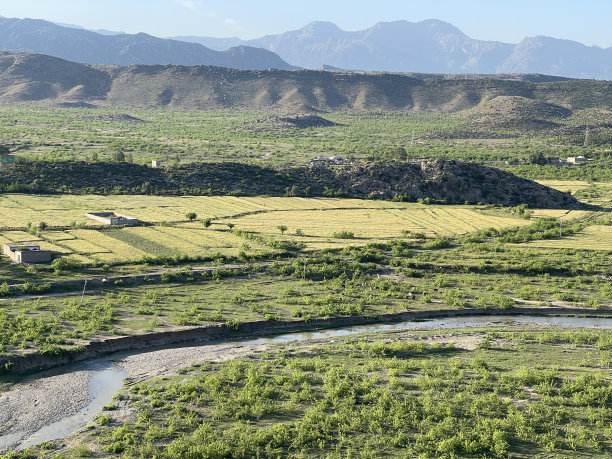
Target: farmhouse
[(576, 160), (156, 164), (26, 252), (111, 218), (327, 160)]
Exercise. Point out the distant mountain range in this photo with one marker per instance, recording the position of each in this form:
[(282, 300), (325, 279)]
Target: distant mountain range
[(430, 46), (427, 46), (80, 45)]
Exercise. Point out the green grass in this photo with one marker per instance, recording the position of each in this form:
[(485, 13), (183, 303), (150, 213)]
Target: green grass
[(507, 393), (378, 278), (185, 136)]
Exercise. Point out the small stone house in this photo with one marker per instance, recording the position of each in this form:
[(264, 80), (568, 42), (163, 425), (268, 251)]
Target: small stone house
[(111, 218), (327, 160), (576, 159), (26, 252)]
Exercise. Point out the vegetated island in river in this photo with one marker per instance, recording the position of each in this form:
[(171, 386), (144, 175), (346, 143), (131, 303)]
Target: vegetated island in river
[(432, 180)]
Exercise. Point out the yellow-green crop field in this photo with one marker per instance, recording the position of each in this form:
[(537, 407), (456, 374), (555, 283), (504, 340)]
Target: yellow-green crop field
[(312, 221), (367, 225), (596, 193), (596, 237), (566, 185)]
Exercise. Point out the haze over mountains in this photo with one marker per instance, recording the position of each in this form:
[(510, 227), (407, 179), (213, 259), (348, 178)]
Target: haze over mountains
[(427, 46), (430, 46), (89, 47)]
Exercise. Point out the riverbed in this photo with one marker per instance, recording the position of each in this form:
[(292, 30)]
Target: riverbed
[(56, 403)]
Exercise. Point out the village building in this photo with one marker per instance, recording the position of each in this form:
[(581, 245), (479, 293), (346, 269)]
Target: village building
[(111, 218), (156, 164), (26, 252), (327, 160), (576, 160)]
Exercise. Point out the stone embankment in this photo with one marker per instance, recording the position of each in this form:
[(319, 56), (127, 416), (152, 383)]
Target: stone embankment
[(216, 332)]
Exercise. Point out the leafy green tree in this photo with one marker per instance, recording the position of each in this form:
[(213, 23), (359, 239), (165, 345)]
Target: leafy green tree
[(537, 158), (191, 216), (207, 222), (119, 156), (65, 264), (282, 228)]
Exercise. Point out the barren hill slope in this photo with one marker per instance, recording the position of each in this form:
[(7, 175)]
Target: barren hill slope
[(34, 77)]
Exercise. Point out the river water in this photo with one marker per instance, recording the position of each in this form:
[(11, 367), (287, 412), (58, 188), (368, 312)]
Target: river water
[(107, 378)]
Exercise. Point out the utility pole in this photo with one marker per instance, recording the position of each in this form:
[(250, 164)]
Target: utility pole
[(412, 142), (83, 294), (586, 137)]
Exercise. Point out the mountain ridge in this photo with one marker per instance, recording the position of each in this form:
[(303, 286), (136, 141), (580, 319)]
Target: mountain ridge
[(80, 45), (427, 46), (27, 77)]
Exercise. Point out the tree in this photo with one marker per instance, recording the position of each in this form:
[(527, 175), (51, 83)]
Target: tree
[(282, 228), (230, 225), (43, 226), (207, 222), (191, 216), (119, 156), (65, 264), (537, 158)]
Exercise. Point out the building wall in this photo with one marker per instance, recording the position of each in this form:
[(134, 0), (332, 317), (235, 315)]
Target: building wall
[(113, 219), (31, 256), (7, 250), (123, 221)]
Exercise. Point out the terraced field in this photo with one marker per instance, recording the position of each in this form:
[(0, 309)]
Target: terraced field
[(596, 193), (596, 237), (316, 228), (315, 222), (311, 221)]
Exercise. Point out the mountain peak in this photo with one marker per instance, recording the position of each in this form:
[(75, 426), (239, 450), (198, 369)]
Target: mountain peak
[(81, 45), (430, 26), (321, 28)]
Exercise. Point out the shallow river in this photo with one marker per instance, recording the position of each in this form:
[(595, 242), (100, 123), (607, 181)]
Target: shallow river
[(104, 377)]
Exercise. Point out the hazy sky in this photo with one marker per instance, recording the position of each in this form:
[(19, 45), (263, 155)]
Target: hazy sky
[(587, 21)]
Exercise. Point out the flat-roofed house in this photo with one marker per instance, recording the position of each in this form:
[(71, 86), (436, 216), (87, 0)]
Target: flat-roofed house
[(111, 218), (26, 252)]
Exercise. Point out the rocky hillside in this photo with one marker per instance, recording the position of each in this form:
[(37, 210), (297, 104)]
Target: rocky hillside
[(449, 181), (34, 77)]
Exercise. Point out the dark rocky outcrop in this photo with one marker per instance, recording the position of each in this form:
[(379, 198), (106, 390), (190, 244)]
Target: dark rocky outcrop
[(441, 180)]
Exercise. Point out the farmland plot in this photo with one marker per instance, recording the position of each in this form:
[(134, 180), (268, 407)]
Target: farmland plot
[(374, 224), (315, 222), (596, 237)]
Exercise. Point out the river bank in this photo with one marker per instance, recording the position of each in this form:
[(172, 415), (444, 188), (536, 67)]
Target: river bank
[(55, 403), (35, 361)]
